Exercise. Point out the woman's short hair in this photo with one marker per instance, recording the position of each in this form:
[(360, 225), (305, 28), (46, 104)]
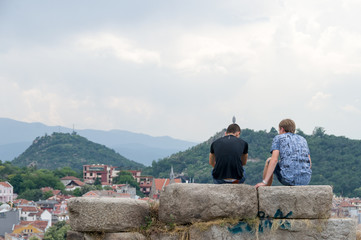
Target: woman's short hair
[(233, 128), (288, 125)]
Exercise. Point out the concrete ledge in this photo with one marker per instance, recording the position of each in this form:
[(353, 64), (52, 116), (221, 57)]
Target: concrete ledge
[(186, 203), (107, 214), (312, 202)]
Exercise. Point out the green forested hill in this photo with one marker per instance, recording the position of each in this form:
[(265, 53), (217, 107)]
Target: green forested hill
[(70, 150), (336, 160)]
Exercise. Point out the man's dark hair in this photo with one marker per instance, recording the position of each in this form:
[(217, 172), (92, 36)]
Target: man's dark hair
[(233, 128)]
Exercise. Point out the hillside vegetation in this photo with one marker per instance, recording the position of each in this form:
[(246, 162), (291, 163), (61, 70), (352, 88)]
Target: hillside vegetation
[(70, 150), (336, 160)]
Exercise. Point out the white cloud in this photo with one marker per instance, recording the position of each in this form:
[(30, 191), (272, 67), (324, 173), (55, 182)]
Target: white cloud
[(109, 44), (175, 64), (319, 101), (351, 109), (130, 105)]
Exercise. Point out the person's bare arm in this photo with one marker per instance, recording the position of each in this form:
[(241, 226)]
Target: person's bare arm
[(309, 157), (244, 158), (212, 159), (271, 167)]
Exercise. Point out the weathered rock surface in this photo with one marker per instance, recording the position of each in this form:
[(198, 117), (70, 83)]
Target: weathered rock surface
[(312, 202), (330, 229), (107, 214), (169, 236), (276, 229), (186, 203), (105, 236), (284, 213), (273, 229), (73, 235)]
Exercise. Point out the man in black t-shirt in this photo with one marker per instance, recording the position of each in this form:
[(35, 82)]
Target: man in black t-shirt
[(228, 155)]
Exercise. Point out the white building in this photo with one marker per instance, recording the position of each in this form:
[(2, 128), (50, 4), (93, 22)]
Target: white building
[(46, 216), (6, 192)]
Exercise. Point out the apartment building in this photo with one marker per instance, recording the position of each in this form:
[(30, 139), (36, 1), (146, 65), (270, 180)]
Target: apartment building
[(105, 173)]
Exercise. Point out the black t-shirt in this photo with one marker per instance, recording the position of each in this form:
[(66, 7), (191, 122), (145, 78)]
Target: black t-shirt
[(228, 151)]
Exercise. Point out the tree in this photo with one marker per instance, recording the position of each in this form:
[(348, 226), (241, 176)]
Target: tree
[(57, 231), (66, 171), (17, 182), (77, 192), (87, 188), (300, 132), (318, 132), (97, 182), (47, 194), (125, 177), (273, 131), (34, 238), (31, 195)]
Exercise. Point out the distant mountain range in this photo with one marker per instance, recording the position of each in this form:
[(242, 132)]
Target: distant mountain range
[(16, 137)]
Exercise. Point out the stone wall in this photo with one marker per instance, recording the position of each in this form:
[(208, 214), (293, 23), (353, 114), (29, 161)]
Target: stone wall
[(208, 211)]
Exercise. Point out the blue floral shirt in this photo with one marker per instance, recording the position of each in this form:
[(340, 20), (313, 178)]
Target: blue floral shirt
[(294, 163)]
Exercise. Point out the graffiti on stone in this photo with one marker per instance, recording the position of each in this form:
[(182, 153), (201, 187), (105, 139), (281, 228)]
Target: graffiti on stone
[(265, 222)]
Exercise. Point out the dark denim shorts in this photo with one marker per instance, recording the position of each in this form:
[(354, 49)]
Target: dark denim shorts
[(222, 181), (301, 177), (280, 178)]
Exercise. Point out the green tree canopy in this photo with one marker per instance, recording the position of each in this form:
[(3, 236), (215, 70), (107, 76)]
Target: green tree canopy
[(57, 231)]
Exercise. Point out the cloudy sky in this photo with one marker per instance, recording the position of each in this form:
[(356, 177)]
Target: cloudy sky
[(182, 68)]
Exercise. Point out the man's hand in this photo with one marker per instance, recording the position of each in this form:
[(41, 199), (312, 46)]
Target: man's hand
[(261, 184)]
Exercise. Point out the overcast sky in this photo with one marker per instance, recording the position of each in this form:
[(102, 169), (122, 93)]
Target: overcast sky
[(182, 68)]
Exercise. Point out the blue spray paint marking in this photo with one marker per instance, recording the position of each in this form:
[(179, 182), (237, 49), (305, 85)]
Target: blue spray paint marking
[(265, 223), (240, 227), (279, 214)]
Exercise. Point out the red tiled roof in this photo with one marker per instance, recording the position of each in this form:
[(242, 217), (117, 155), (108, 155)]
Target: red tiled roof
[(123, 195), (56, 192), (105, 193), (5, 184), (38, 224), (21, 201), (160, 183), (70, 178), (133, 171), (28, 209), (346, 204), (46, 189), (49, 189), (79, 183), (150, 177)]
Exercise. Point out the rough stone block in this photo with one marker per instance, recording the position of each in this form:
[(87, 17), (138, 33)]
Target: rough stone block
[(306, 229), (280, 229), (169, 236), (73, 235), (270, 229), (312, 202), (124, 236), (107, 214), (186, 203)]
